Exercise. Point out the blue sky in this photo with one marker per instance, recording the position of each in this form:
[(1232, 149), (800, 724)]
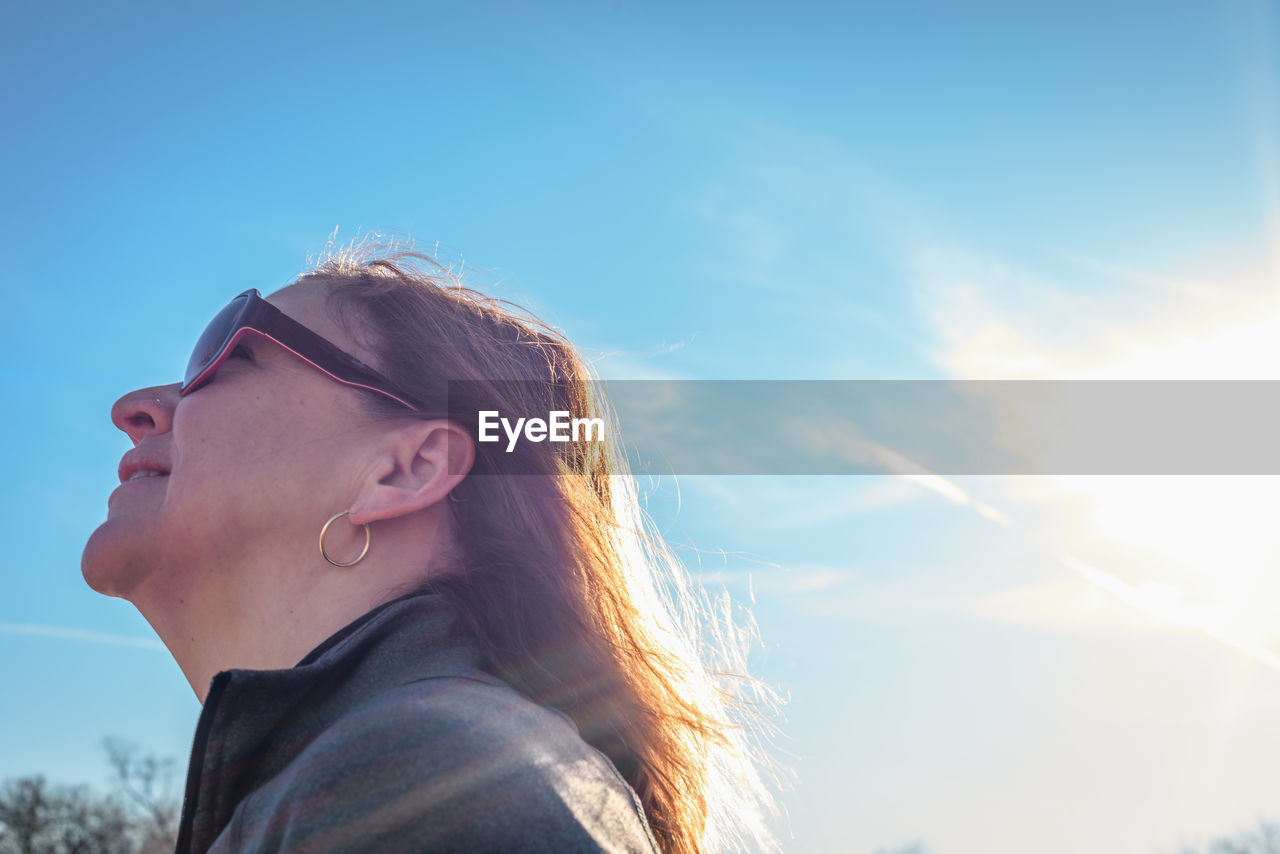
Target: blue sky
[(922, 190)]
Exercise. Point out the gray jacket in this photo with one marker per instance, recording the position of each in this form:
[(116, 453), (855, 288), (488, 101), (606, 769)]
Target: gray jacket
[(389, 737)]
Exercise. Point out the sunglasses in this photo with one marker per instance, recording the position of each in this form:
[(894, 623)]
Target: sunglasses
[(250, 313)]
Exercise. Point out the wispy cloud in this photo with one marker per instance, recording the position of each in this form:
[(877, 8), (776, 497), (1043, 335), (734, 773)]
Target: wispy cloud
[(1165, 603), (795, 580), (988, 315), (640, 364), (1258, 55), (79, 635), (794, 504)]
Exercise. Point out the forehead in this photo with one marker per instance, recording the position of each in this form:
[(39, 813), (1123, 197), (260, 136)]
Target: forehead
[(307, 304)]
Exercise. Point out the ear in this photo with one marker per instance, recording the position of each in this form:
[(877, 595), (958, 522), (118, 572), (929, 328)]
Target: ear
[(418, 465)]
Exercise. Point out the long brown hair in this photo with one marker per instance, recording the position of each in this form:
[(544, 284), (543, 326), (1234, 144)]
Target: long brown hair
[(574, 599)]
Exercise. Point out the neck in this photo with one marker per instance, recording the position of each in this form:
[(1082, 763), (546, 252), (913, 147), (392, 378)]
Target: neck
[(259, 636), (269, 615)]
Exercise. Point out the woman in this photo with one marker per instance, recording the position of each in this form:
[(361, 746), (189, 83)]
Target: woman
[(481, 652)]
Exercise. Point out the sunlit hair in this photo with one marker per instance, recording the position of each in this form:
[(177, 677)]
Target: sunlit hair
[(574, 598)]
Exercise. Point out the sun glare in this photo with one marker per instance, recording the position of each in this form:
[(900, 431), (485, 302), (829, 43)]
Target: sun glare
[(1192, 553)]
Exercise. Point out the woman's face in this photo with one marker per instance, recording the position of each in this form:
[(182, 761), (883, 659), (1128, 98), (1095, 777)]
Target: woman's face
[(250, 466)]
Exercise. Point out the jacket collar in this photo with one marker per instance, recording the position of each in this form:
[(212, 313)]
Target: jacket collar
[(255, 721)]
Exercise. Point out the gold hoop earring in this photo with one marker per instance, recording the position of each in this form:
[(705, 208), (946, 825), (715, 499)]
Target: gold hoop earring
[(325, 530)]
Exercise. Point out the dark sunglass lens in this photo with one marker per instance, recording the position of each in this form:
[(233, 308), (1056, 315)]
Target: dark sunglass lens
[(212, 340)]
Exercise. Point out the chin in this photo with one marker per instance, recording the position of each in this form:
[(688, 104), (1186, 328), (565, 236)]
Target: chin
[(106, 564)]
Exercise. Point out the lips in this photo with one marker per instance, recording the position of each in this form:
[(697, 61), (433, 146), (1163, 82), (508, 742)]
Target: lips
[(137, 466)]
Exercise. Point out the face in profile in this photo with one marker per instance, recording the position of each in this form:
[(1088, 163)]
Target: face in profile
[(232, 474)]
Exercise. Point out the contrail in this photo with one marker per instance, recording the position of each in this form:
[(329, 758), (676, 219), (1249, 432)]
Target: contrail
[(82, 635), (1168, 609)]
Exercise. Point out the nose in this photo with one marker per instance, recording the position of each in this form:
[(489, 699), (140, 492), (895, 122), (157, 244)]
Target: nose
[(146, 411)]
